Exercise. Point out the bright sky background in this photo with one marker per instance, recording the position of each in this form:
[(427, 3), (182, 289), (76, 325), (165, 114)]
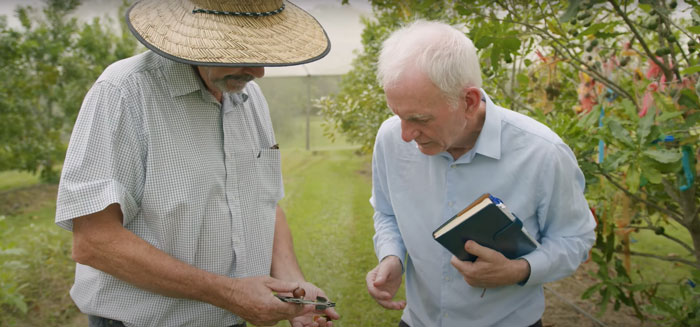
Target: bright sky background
[(342, 24)]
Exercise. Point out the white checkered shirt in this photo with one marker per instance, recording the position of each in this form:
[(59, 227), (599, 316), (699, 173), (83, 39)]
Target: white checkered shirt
[(197, 179)]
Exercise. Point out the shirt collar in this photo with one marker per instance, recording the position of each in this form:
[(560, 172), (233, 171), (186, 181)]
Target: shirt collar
[(489, 141), (180, 78), (183, 79)]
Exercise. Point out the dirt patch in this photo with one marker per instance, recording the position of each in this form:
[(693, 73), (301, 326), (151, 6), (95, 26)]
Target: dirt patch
[(563, 295), (26, 199)]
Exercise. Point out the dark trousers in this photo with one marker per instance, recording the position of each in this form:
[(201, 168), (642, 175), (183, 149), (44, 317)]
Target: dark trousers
[(536, 324), (95, 321)]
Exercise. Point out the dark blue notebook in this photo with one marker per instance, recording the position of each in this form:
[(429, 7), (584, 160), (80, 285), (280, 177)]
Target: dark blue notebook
[(488, 222)]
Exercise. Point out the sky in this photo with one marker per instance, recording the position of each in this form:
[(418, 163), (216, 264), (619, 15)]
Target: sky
[(342, 24)]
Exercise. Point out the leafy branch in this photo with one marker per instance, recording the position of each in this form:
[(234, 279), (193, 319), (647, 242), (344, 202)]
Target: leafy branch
[(667, 71), (671, 213)]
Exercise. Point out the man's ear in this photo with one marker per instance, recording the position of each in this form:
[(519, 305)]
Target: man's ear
[(472, 97)]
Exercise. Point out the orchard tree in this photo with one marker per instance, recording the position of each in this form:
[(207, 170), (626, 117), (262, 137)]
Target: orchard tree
[(48, 64), (618, 82)]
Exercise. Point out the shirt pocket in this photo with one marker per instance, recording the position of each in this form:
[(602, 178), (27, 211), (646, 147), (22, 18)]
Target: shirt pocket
[(269, 171)]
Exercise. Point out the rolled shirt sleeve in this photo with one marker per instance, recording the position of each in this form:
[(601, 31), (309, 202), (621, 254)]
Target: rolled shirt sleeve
[(105, 159)]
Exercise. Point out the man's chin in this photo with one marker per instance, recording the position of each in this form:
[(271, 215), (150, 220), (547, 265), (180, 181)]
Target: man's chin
[(429, 149), (236, 89)]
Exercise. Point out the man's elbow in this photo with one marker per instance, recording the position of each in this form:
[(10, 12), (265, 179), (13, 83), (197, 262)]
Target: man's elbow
[(95, 234), (83, 251)]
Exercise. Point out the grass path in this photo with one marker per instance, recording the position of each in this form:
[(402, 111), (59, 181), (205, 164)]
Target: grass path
[(327, 206)]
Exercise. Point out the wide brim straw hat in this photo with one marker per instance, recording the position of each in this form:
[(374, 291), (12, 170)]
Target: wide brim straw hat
[(228, 33)]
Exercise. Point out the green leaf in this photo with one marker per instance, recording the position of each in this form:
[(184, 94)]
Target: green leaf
[(633, 179), (523, 79), (571, 11), (694, 29), (590, 118), (629, 108), (620, 133), (483, 42), (664, 155), (652, 175), (587, 294), (644, 128), (614, 160), (594, 28), (554, 28), (512, 44), (691, 70), (688, 99), (668, 115)]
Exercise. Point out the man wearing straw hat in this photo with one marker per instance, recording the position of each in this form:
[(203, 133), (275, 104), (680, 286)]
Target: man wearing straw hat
[(172, 175)]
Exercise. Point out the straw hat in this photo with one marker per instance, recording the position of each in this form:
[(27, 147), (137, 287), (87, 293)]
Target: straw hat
[(228, 33)]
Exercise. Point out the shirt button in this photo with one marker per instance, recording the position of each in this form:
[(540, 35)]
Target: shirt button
[(445, 314), (453, 166), (447, 278), (450, 203)]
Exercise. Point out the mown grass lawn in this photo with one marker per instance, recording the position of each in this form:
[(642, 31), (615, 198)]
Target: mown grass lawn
[(328, 210)]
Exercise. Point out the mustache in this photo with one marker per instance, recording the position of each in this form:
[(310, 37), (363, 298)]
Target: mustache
[(238, 78)]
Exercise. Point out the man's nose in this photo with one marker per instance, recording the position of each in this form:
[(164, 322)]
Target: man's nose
[(256, 72), (408, 133)]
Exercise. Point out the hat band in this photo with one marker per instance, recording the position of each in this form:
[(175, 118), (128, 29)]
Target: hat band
[(240, 13)]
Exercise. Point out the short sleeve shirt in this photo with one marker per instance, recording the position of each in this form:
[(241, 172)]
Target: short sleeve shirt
[(195, 178)]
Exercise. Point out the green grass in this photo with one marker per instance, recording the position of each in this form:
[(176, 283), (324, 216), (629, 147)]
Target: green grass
[(328, 210), (13, 179), (654, 270), (35, 268)]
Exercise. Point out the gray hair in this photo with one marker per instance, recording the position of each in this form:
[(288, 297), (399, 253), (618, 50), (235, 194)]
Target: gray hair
[(437, 49)]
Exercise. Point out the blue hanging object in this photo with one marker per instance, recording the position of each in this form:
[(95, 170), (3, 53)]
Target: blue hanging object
[(601, 144), (610, 96), (687, 151), (687, 171)]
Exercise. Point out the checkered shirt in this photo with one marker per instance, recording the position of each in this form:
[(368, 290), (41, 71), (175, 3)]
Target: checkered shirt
[(196, 179)]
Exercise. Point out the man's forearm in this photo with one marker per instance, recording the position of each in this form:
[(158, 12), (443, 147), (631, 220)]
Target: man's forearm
[(100, 241), (284, 261)]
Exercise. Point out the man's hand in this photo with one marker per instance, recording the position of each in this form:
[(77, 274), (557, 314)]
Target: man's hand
[(314, 319), (491, 268), (252, 299), (384, 280)]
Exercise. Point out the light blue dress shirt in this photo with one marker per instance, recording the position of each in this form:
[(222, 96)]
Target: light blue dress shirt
[(515, 158)]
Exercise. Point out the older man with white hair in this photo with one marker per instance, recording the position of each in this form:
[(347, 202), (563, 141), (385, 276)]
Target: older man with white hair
[(446, 145)]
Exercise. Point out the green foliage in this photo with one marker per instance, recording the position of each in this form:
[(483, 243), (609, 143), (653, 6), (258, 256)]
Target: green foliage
[(359, 108), (621, 76), (35, 269), (49, 64)]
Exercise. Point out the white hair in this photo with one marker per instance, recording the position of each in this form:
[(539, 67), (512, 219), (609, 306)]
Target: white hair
[(442, 52)]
